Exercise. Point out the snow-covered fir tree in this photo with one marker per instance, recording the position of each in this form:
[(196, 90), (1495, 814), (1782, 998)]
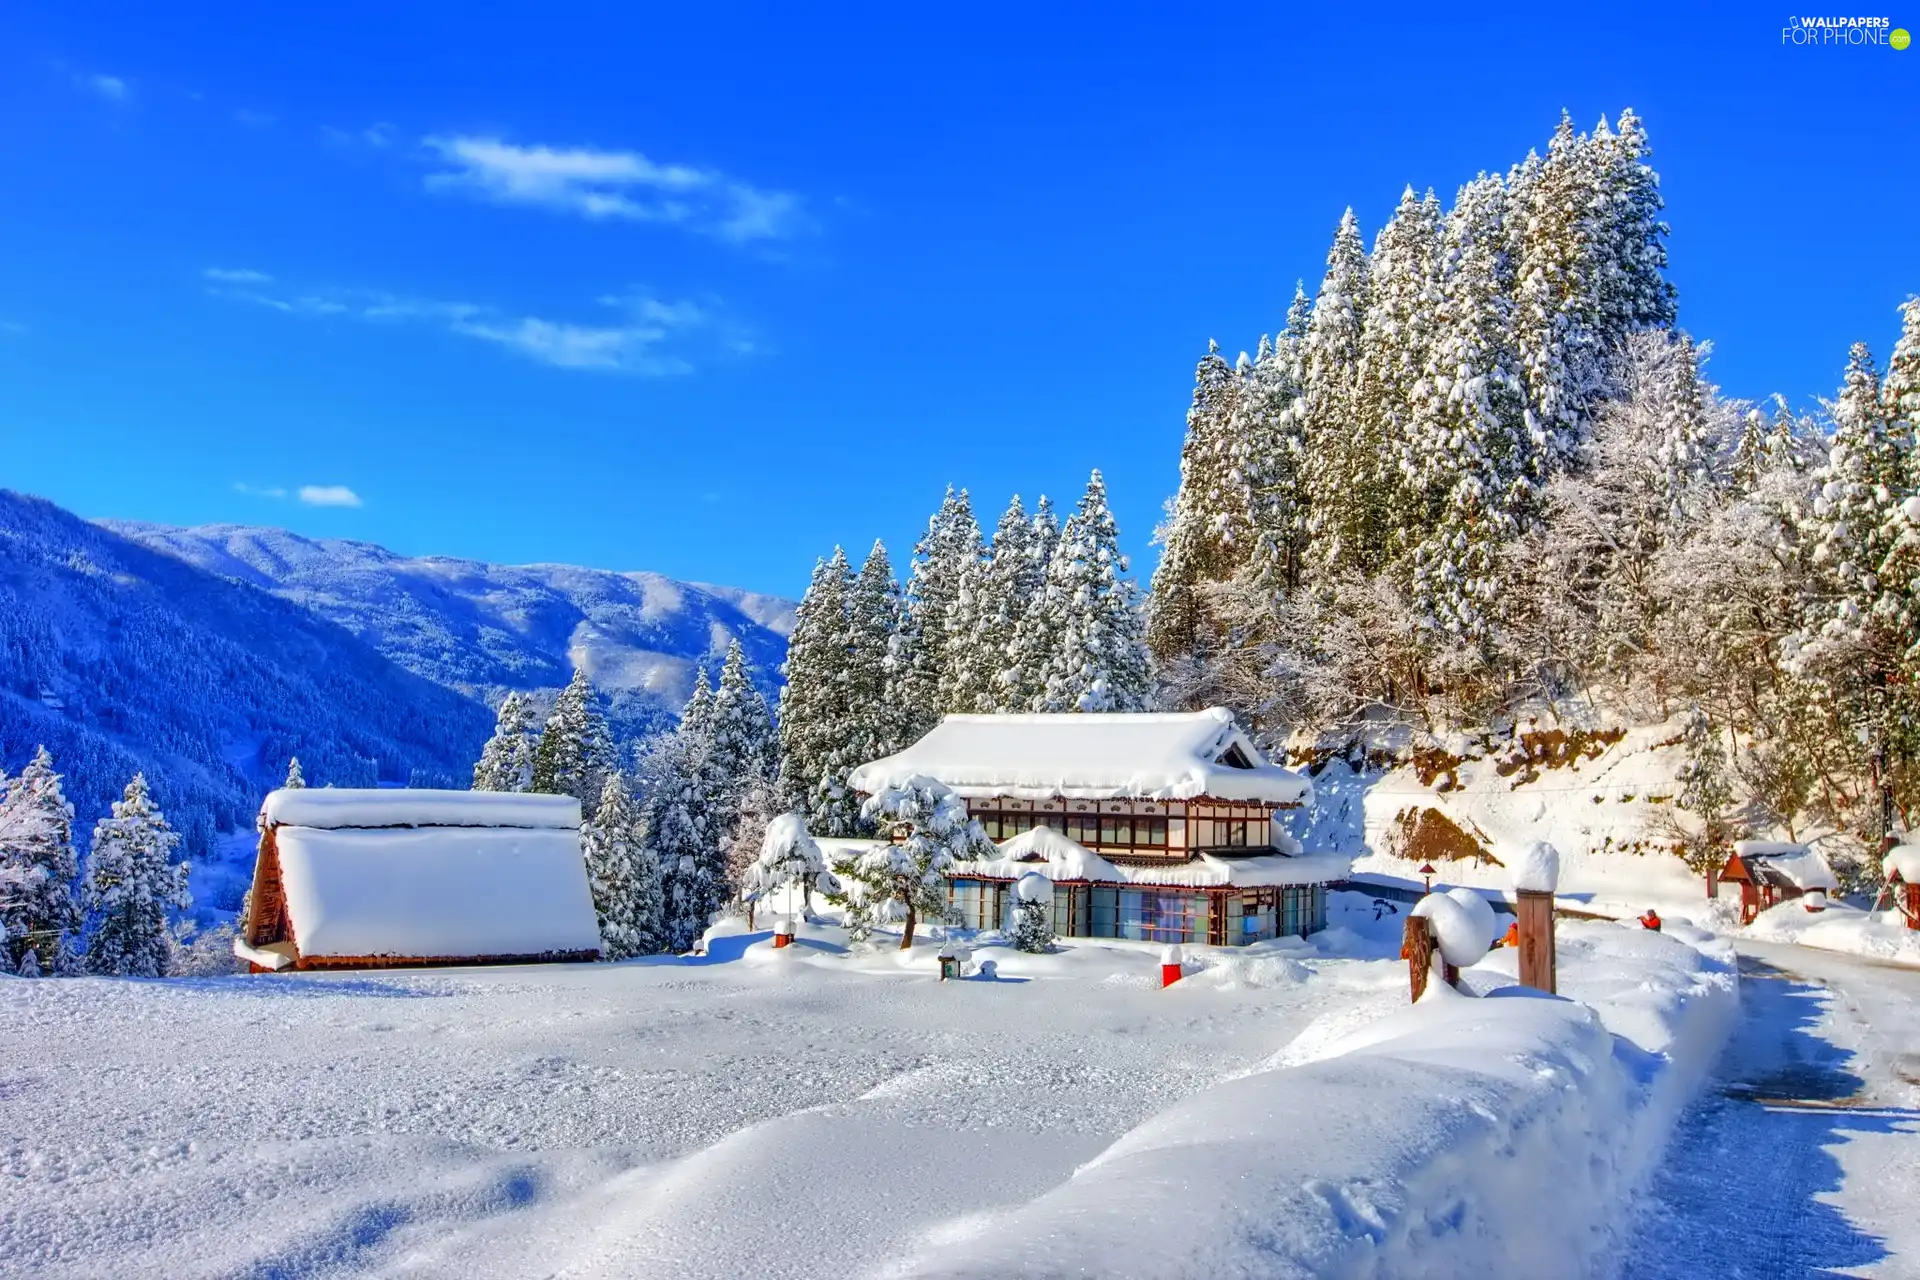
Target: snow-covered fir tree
[(131, 881), (1210, 532), (575, 751), (1559, 322), (296, 779), (943, 560), (878, 680), (994, 598), (1372, 516), (760, 804), (506, 762), (788, 865), (1340, 469), (905, 879), (38, 911), (1464, 460), (1035, 634), (623, 877), (1635, 294), (1275, 419), (678, 839), (1706, 791), (1100, 661), (815, 721), (1033, 913), (742, 753)]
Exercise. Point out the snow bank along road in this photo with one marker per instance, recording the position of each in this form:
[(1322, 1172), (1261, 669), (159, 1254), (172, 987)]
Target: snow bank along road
[(1801, 1157), (769, 1113)]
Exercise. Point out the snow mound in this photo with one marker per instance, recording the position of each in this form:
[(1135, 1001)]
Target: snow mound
[(1881, 935), (1903, 861), (1463, 925), (1538, 869), (1033, 887)]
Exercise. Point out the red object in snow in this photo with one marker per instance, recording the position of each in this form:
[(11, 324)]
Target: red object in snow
[(1169, 974), (1651, 920), (782, 939)]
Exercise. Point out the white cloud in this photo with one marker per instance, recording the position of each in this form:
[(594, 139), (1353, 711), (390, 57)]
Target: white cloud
[(328, 495), (620, 185), (636, 336), (231, 275), (111, 88)]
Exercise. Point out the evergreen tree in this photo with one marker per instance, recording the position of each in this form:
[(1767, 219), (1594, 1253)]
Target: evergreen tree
[(625, 882), (575, 752), (1373, 519), (907, 878), (296, 780), (130, 882), (1210, 532), (1033, 913), (1634, 293), (741, 754), (876, 682), (1749, 461), (1467, 438), (38, 912), (814, 716), (1277, 444), (1035, 633), (506, 762), (760, 804), (994, 597), (1340, 471), (1559, 322), (1901, 394), (943, 560), (1099, 662), (679, 840), (788, 859), (1706, 791)]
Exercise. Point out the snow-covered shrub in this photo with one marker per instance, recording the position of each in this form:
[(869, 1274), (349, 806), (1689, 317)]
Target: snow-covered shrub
[(1033, 913), (934, 832), (789, 859)]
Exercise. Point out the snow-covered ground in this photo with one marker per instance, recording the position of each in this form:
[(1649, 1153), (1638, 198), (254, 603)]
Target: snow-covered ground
[(1878, 935), (1802, 1157), (815, 1112), (772, 1113)]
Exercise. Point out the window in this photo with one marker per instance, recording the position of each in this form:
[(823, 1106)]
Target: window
[(1152, 915), (1116, 830)]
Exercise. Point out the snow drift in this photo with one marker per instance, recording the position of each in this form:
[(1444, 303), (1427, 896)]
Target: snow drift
[(1493, 1136)]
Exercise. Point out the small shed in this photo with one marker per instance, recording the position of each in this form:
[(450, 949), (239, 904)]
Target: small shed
[(1772, 871), (354, 879)]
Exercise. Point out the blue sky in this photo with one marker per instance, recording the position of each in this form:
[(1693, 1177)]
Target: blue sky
[(704, 292)]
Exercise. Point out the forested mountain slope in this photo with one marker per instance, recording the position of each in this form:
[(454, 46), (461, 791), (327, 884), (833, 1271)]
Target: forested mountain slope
[(120, 657)]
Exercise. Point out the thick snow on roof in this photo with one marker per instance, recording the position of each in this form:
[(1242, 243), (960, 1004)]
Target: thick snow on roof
[(1092, 756), (1044, 849), (1801, 866), (445, 892), (329, 808)]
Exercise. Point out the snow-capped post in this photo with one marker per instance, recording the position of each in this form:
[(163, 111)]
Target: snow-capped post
[(1172, 961), (1535, 880), (1457, 927), (783, 931), (1901, 869)]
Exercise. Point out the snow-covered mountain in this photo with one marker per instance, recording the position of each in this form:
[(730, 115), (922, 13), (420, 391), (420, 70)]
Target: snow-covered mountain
[(483, 629), (117, 657)]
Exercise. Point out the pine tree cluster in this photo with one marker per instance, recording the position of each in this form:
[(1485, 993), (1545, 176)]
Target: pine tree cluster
[(1482, 477), (1042, 618)]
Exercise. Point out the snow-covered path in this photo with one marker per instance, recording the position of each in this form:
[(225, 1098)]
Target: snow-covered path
[(1800, 1158)]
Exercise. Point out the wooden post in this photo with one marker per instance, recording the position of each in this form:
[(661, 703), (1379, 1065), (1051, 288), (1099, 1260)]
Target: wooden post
[(1913, 905), (1534, 910), (1713, 882), (1417, 951)]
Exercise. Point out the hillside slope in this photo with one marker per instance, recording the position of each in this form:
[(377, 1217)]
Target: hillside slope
[(484, 629), (119, 657)]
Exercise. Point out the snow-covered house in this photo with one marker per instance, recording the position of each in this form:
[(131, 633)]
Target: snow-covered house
[(1158, 826), (349, 879), (1772, 871)]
